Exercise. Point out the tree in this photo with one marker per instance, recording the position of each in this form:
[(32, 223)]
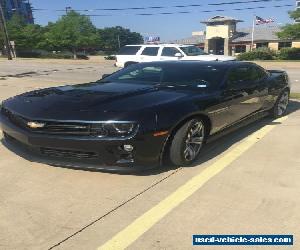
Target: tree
[(25, 36), (291, 31), (72, 32), (110, 38), (1, 40)]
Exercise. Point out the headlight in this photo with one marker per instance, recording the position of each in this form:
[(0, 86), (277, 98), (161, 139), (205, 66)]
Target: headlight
[(114, 129), (123, 128)]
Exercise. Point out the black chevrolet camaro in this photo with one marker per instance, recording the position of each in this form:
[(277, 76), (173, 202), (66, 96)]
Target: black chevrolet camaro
[(140, 116)]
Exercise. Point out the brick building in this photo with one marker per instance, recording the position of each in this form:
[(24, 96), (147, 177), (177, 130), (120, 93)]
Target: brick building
[(22, 7), (223, 37)]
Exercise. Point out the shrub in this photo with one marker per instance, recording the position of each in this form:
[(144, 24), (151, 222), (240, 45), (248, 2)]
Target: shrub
[(257, 54), (28, 53), (55, 56), (110, 57), (289, 54), (98, 53), (50, 55), (82, 57)]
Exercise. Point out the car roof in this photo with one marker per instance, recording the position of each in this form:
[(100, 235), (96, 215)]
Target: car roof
[(216, 64)]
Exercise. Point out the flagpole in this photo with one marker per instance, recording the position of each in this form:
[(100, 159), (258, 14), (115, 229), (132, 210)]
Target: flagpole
[(253, 29)]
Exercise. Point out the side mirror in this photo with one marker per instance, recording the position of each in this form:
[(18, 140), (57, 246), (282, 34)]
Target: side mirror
[(179, 55), (105, 75)]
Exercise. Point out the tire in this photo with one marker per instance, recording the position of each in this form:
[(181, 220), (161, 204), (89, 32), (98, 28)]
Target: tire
[(187, 142), (281, 104), (128, 64)]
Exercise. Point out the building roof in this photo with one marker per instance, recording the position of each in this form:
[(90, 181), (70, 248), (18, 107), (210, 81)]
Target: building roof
[(190, 40), (217, 19), (261, 33)]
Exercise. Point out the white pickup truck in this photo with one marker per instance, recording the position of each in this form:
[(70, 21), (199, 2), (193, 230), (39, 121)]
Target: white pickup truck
[(131, 54)]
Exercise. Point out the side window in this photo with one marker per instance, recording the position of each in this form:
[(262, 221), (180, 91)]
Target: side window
[(150, 51), (258, 73), (239, 75), (129, 50), (169, 51)]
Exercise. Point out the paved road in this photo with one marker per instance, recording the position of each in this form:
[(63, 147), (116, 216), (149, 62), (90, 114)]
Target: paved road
[(24, 75), (245, 183)]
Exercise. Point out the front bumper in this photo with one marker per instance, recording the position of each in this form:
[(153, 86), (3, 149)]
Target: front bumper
[(85, 152)]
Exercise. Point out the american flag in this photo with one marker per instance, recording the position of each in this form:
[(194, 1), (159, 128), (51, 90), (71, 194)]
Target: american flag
[(260, 20)]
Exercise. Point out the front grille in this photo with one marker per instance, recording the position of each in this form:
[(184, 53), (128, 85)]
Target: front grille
[(52, 152), (65, 128), (68, 153), (69, 128), (57, 128)]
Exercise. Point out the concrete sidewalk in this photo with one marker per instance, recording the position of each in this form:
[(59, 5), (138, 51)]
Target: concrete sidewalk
[(27, 74), (42, 206), (257, 194)]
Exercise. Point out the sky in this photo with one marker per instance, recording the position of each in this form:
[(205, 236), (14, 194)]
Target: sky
[(167, 27)]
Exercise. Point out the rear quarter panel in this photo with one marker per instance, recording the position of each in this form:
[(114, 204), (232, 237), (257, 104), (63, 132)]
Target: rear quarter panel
[(277, 81)]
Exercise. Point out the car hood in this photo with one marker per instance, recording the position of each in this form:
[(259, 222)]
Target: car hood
[(92, 101), (210, 58)]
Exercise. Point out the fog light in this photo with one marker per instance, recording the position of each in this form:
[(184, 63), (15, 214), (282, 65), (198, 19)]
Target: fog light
[(128, 148)]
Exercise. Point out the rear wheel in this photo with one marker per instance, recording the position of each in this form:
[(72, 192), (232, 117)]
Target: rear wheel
[(187, 142), (281, 104)]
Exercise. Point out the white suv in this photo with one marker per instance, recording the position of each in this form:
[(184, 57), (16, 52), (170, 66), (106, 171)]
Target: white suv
[(131, 54)]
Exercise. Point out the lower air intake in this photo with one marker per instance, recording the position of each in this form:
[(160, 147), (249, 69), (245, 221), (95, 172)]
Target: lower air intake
[(68, 153)]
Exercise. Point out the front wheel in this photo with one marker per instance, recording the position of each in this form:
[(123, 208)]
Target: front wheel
[(281, 104), (187, 142)]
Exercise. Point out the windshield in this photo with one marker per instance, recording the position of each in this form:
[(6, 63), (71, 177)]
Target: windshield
[(193, 51), (171, 75)]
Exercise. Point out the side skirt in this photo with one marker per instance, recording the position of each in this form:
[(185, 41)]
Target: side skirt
[(237, 125)]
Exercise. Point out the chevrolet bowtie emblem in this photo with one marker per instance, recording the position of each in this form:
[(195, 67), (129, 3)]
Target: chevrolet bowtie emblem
[(35, 124)]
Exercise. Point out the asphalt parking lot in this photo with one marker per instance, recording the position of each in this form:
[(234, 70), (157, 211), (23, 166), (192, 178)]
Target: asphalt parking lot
[(245, 183)]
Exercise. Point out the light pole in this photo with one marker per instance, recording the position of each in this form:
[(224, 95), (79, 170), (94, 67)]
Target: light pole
[(4, 29), (119, 42)]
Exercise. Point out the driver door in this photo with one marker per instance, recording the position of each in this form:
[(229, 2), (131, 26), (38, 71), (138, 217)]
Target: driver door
[(168, 54), (242, 93)]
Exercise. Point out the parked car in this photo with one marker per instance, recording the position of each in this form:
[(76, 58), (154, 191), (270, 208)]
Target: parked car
[(132, 54), (143, 114)]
